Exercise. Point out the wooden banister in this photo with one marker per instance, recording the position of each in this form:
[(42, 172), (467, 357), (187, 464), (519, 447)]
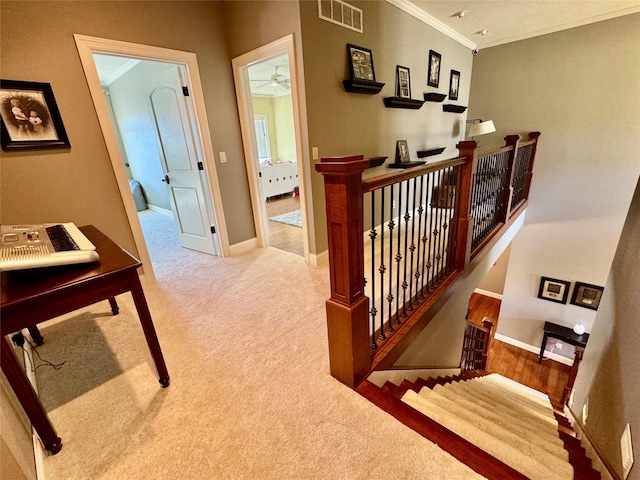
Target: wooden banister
[(463, 252), (348, 307)]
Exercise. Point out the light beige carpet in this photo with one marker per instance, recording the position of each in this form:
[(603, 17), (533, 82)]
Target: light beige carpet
[(251, 397)]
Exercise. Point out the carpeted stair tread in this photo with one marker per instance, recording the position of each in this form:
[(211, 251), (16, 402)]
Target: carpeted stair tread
[(536, 402), (544, 429), (504, 404), (507, 422), (522, 439), (502, 451), (521, 408)]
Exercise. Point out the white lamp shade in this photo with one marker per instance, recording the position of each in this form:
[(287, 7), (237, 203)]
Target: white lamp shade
[(481, 128)]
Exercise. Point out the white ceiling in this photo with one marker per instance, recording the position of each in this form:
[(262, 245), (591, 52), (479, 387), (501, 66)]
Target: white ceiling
[(260, 75), (510, 21)]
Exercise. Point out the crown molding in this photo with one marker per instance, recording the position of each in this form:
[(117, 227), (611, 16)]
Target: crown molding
[(421, 15)]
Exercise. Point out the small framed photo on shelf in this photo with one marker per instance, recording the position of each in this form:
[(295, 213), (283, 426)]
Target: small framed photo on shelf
[(361, 63), (554, 290), (454, 85), (402, 152), (433, 75), (587, 296), (30, 117), (403, 82)]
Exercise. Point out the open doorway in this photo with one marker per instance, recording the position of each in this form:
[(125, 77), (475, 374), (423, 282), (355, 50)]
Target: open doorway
[(268, 104), (154, 115)]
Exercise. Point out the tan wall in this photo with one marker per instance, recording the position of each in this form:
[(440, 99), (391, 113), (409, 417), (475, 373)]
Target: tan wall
[(342, 123), (568, 86), (608, 375), (78, 184)]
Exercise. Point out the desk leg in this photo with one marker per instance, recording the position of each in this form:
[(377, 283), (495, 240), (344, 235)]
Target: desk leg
[(148, 328), (544, 344), (28, 398)]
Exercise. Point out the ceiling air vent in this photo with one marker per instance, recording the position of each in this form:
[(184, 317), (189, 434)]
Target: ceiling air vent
[(341, 13)]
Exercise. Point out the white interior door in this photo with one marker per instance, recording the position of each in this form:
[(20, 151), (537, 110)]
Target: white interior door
[(180, 163)]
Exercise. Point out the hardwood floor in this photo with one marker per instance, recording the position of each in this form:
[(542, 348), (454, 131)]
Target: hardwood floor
[(550, 377), (281, 236)]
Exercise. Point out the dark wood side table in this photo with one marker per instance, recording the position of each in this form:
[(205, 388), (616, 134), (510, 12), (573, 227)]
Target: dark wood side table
[(563, 334), (35, 295)]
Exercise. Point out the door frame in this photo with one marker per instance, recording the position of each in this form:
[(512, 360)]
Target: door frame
[(87, 46), (241, 65)]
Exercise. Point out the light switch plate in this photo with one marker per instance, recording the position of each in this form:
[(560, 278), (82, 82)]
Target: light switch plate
[(627, 451), (223, 157), (314, 153)]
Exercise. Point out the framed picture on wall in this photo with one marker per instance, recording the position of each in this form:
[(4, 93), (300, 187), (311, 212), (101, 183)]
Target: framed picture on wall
[(30, 117), (402, 152), (554, 290), (403, 82), (361, 63), (587, 296), (433, 75), (454, 84)]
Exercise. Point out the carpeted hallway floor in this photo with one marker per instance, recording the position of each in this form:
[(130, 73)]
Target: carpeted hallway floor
[(245, 342)]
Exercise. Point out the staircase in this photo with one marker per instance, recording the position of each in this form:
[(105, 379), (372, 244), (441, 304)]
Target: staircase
[(500, 428)]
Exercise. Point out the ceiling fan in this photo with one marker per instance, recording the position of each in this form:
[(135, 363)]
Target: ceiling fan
[(276, 80)]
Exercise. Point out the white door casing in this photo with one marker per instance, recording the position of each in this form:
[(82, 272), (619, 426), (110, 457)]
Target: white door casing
[(87, 46), (180, 165)]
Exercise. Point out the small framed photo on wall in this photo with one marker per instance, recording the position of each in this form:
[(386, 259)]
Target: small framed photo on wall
[(554, 290), (361, 63), (402, 152), (587, 296), (433, 75), (454, 85), (403, 82)]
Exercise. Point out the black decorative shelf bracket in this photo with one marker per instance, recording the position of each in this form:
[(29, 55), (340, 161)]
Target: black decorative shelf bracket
[(400, 102), (430, 152), (453, 108), (355, 85), (434, 97)]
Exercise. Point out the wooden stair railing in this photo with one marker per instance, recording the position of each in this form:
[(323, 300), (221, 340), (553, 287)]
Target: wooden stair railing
[(476, 345), (362, 331)]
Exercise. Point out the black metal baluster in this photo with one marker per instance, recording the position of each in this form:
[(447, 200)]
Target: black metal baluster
[(436, 234), (424, 236), (407, 217), (382, 268), (447, 221), (372, 235), (418, 273), (412, 245), (398, 255), (391, 226), (432, 214)]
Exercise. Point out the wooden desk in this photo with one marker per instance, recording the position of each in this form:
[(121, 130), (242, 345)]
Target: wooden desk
[(564, 334), (35, 295)]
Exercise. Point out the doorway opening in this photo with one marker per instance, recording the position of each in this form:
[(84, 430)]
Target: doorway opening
[(150, 107), (270, 121)]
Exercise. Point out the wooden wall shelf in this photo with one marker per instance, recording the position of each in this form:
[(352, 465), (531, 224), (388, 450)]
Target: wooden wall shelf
[(430, 152), (362, 86), (400, 102), (453, 108), (434, 97)]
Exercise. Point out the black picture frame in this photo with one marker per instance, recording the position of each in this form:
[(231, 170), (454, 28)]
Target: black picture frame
[(433, 73), (587, 296), (403, 82), (30, 117), (454, 85), (402, 152), (361, 63), (554, 290)]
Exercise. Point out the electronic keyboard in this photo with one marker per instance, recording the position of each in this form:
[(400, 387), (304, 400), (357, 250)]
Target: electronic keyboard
[(46, 245)]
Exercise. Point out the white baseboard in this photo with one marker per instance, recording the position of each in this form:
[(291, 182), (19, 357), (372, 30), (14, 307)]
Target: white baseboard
[(487, 293), (536, 350), (319, 259), (247, 245), (163, 211)]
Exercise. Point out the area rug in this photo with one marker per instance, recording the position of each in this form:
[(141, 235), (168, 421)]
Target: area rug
[(290, 218)]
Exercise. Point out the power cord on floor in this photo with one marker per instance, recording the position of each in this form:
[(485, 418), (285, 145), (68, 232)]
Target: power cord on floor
[(18, 339)]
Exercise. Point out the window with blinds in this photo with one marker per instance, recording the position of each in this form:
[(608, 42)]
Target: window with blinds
[(262, 138)]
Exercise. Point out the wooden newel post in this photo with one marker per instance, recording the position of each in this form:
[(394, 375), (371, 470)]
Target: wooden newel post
[(511, 141), (488, 324), (465, 221), (348, 307), (532, 136)]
